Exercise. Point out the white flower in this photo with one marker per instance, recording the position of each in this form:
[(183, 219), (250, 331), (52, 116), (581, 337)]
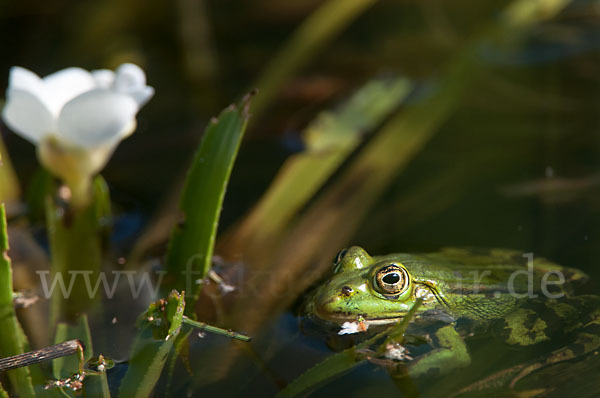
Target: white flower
[(74, 117)]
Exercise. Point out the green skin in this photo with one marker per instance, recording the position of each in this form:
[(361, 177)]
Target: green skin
[(461, 284)]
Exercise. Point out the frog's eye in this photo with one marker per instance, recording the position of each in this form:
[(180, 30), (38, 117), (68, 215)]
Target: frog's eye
[(391, 280), (338, 259), (340, 256)]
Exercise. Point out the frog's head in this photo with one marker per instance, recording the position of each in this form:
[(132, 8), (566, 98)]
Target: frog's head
[(377, 290)]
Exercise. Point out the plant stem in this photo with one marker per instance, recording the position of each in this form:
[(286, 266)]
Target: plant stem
[(216, 330)]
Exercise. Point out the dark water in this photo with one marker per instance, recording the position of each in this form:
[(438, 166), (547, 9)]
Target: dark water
[(515, 166)]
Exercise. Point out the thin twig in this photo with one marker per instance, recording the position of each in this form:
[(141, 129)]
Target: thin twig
[(45, 354)]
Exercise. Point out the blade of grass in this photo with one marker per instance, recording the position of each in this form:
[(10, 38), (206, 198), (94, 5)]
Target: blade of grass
[(13, 341), (3, 393), (344, 361), (9, 185), (316, 32), (328, 140), (161, 325), (192, 243)]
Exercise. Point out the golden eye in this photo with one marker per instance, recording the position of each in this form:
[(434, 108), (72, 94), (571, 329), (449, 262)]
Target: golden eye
[(391, 280)]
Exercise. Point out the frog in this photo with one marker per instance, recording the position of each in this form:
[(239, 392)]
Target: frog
[(462, 293)]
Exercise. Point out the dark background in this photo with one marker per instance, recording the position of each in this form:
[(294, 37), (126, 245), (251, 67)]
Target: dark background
[(534, 115)]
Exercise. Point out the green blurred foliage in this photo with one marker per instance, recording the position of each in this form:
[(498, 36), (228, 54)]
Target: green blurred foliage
[(515, 165), (536, 109)]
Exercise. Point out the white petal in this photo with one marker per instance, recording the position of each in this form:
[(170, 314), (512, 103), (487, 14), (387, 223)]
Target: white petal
[(104, 77), (24, 79), (98, 117), (129, 78), (27, 116), (143, 95), (66, 84)]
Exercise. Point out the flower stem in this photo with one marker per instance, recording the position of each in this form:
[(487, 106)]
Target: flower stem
[(75, 236), (81, 192), (216, 330)]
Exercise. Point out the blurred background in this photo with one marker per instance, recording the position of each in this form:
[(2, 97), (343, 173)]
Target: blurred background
[(482, 180), (515, 164)]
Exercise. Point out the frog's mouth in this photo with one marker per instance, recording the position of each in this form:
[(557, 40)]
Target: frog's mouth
[(339, 317), (382, 321), (326, 309), (340, 320)]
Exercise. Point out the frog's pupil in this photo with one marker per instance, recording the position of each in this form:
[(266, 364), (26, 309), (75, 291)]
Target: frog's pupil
[(391, 278)]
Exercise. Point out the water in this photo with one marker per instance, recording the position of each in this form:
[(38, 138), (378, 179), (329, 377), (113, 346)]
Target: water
[(482, 180)]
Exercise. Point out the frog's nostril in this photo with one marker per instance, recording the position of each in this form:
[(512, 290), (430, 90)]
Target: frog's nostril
[(346, 290)]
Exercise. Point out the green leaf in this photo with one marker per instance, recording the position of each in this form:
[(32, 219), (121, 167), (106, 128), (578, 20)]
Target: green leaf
[(9, 185), (160, 326), (344, 361), (13, 339), (192, 243), (3, 393), (328, 140)]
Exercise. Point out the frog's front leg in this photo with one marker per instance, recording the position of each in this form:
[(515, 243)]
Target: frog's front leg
[(450, 353)]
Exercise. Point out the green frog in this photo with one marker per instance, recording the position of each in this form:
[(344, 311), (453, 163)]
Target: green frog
[(464, 293)]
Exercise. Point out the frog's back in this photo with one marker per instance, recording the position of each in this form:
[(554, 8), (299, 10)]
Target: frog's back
[(485, 284)]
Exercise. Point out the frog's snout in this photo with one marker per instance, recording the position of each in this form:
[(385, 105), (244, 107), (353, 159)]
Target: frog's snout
[(328, 303)]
